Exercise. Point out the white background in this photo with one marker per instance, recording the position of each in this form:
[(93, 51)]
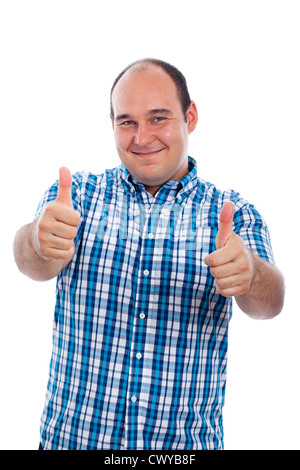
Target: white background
[(58, 60)]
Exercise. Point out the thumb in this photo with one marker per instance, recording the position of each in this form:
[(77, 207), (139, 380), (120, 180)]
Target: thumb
[(64, 195), (225, 225)]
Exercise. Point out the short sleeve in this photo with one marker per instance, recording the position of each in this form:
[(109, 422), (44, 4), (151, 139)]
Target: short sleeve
[(251, 227)]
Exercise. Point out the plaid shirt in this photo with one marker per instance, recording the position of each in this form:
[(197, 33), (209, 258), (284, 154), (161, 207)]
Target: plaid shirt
[(140, 332)]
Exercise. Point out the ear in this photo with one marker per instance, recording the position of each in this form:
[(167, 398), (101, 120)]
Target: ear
[(192, 117)]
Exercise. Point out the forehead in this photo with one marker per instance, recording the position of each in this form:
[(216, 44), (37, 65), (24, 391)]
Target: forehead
[(144, 89)]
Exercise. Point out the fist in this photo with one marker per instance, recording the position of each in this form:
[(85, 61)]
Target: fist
[(57, 226), (232, 263)]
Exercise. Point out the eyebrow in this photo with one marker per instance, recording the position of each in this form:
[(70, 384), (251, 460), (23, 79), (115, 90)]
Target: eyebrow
[(160, 111), (120, 117), (151, 112)]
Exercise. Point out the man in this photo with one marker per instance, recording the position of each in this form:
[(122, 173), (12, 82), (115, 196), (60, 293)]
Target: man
[(148, 257)]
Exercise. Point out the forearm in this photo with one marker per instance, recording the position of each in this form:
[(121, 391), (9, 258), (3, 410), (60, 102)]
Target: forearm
[(264, 299), (29, 261)]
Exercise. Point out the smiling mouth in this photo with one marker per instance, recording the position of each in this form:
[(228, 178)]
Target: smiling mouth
[(148, 154)]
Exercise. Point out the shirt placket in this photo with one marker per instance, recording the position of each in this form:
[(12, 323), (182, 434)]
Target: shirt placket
[(135, 398), (138, 388)]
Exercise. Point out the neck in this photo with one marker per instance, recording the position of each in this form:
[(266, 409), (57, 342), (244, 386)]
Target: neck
[(152, 189)]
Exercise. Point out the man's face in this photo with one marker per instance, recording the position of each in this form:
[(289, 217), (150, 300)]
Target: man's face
[(150, 131)]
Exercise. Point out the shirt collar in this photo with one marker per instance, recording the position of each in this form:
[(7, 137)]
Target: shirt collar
[(180, 188)]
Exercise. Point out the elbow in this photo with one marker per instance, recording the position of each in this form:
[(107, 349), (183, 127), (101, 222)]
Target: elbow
[(263, 314), (266, 314), (279, 297), (277, 308), (272, 306)]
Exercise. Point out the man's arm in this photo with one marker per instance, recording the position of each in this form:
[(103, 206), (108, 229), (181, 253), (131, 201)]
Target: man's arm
[(265, 297), (258, 286), (44, 247)]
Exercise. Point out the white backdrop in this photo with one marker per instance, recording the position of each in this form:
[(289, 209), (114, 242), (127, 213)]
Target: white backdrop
[(58, 60)]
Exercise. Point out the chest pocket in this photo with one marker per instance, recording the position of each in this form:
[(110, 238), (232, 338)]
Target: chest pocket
[(179, 262), (115, 222), (189, 255)]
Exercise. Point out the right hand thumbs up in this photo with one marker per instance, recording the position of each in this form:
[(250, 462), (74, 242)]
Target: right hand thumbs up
[(57, 225)]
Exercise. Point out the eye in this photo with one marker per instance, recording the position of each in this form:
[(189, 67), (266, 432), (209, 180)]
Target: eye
[(127, 123), (159, 119)]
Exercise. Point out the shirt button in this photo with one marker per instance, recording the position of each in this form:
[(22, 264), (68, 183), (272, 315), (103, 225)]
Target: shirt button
[(147, 206), (150, 235), (138, 356), (132, 190), (142, 315), (146, 272), (133, 399)]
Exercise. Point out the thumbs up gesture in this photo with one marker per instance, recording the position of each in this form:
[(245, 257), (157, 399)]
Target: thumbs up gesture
[(57, 225), (231, 264), (64, 195)]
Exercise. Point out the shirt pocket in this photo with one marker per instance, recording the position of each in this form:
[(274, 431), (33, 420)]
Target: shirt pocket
[(189, 269), (113, 222)]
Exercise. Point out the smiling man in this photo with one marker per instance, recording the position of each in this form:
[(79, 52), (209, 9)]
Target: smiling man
[(151, 128), (148, 257)]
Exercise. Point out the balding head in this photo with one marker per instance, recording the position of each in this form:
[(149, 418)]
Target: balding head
[(177, 77)]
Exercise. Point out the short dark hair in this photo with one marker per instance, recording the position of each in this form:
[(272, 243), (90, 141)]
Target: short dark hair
[(177, 77)]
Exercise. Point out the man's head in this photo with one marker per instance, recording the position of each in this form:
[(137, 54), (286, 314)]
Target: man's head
[(177, 77), (152, 116)]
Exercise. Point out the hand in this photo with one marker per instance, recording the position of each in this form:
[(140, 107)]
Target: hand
[(231, 264), (57, 226)]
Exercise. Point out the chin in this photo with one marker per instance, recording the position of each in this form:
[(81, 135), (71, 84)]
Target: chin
[(150, 178)]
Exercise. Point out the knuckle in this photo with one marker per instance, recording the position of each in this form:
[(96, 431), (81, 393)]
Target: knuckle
[(69, 252), (42, 239), (212, 259), (222, 283), (72, 216), (50, 208), (220, 290), (245, 265), (64, 254), (69, 234), (43, 226), (63, 244), (69, 245), (73, 232), (213, 272), (76, 218), (45, 252), (57, 254)]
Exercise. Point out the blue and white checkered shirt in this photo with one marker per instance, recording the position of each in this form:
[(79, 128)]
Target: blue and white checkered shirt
[(140, 332)]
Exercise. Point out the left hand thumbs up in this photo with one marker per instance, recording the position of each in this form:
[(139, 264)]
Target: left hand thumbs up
[(231, 264), (225, 225)]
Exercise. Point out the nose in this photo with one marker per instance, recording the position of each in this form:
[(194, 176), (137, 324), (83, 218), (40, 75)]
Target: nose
[(143, 135)]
